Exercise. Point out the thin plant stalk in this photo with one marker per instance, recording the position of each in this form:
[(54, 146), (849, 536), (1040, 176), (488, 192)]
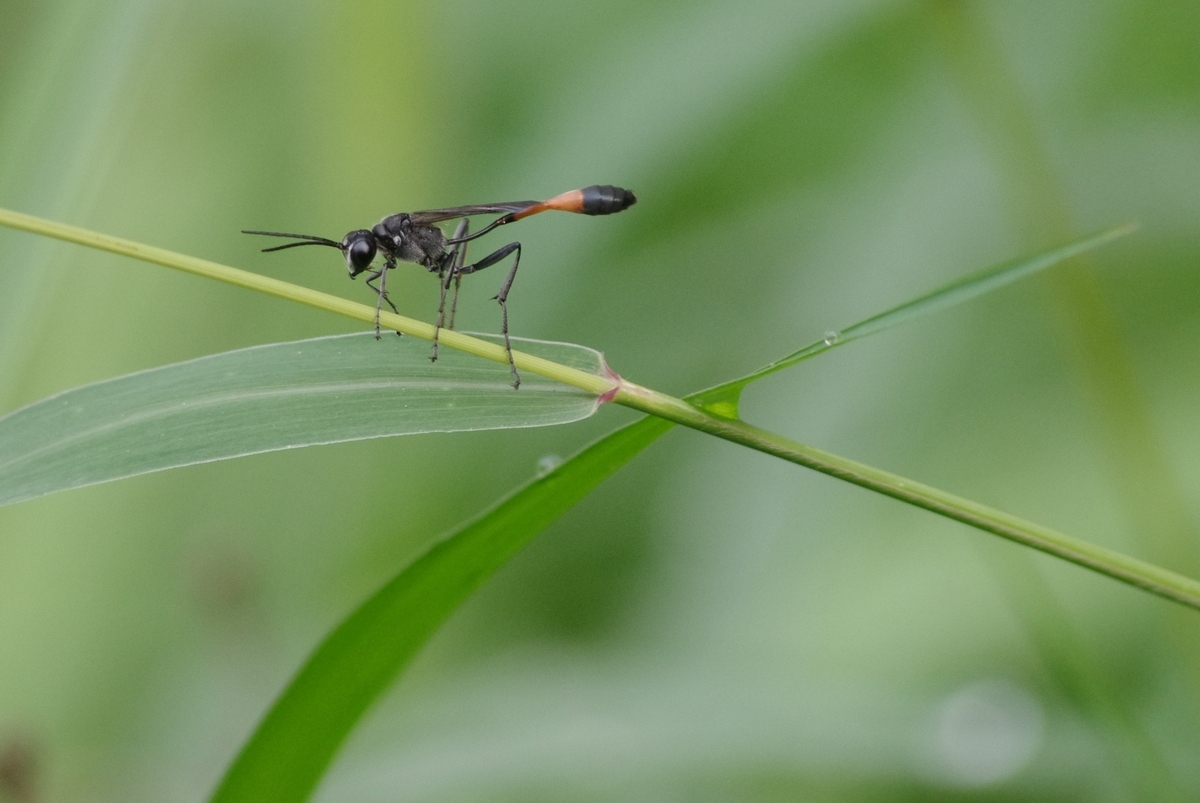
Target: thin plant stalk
[(1137, 573)]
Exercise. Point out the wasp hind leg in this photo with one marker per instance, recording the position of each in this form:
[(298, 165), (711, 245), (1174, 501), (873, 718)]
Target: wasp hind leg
[(502, 296)]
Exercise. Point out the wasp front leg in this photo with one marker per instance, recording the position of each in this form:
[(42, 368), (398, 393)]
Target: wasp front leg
[(453, 262), (381, 291)]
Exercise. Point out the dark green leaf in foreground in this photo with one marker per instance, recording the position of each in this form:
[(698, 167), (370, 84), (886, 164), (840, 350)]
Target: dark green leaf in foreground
[(289, 752), (279, 396), (292, 747)]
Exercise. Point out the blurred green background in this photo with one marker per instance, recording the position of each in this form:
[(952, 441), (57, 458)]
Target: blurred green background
[(711, 624)]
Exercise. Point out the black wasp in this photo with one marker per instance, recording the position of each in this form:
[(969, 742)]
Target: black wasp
[(416, 237)]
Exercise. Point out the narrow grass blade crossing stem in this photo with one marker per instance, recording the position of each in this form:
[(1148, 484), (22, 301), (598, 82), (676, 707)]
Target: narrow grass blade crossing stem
[(949, 295)]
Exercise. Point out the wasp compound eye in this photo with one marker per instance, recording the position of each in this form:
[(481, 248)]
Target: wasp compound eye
[(360, 252)]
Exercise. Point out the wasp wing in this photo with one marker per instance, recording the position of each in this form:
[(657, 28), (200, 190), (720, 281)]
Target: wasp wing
[(427, 216)]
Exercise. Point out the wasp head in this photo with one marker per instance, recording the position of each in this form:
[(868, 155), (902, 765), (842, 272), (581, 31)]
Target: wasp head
[(359, 248)]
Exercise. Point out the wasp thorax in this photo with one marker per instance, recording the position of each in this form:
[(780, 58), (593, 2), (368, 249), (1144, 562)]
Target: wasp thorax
[(359, 247)]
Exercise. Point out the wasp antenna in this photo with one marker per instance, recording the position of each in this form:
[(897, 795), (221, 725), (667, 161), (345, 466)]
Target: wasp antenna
[(313, 237), (303, 242), (305, 239)]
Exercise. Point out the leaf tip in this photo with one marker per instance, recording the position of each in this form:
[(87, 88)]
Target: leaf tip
[(1124, 229)]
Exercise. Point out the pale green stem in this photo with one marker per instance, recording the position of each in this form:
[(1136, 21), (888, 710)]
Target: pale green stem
[(1122, 567), (1105, 561)]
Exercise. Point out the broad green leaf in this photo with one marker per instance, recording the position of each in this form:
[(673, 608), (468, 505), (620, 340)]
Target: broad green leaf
[(278, 396), (289, 752)]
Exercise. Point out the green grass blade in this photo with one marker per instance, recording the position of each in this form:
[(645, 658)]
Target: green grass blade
[(278, 396), (290, 750), (952, 294)]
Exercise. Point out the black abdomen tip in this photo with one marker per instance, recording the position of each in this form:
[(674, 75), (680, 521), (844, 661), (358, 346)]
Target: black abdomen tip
[(605, 199)]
